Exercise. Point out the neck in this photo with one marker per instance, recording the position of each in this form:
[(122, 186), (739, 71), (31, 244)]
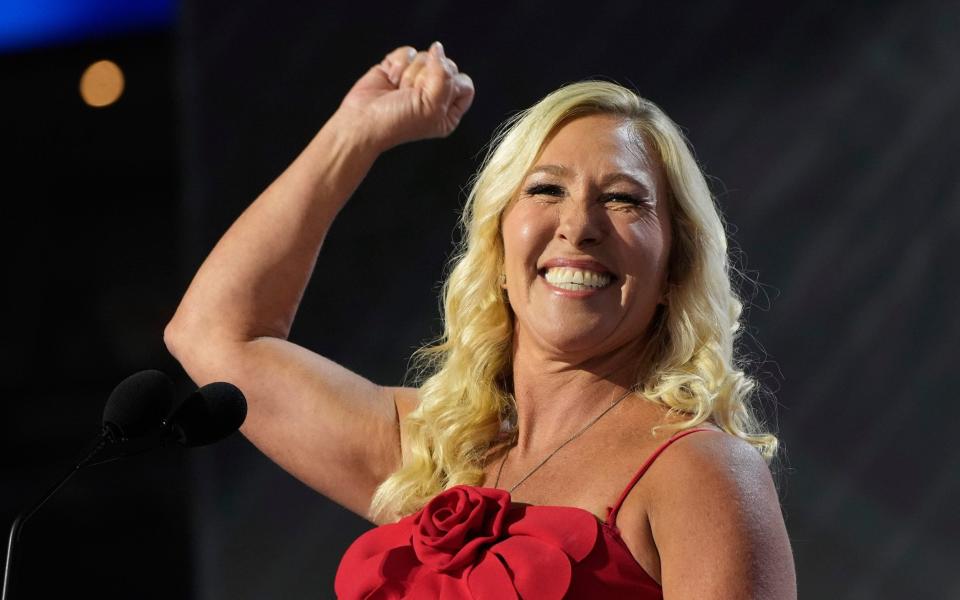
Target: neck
[(556, 396)]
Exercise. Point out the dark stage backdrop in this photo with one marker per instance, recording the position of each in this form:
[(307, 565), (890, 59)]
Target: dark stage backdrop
[(831, 132), (90, 250)]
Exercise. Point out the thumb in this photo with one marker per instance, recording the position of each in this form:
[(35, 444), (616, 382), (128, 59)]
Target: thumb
[(376, 77)]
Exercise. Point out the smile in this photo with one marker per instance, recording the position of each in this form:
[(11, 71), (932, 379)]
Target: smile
[(567, 278)]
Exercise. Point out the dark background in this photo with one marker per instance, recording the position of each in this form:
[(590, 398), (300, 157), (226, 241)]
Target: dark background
[(832, 135)]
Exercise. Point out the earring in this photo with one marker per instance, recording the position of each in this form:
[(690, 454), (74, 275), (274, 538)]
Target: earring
[(503, 280)]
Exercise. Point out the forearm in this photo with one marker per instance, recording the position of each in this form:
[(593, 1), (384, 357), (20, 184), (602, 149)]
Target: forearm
[(252, 282)]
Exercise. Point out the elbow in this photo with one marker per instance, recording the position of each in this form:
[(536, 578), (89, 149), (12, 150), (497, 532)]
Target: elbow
[(183, 333), (173, 338), (198, 352), (197, 343)]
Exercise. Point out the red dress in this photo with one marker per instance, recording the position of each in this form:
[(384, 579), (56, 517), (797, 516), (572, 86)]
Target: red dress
[(474, 543)]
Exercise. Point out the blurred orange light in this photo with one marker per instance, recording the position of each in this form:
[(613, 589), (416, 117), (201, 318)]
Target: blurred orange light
[(101, 83)]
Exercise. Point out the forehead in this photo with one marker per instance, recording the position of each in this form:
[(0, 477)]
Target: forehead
[(602, 142)]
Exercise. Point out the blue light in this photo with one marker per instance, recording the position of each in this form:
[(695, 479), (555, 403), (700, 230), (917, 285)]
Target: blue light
[(31, 23)]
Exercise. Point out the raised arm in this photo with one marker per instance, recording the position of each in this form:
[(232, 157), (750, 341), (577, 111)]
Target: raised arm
[(329, 427)]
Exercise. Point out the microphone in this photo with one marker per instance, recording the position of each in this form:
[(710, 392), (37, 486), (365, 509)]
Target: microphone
[(134, 407), (138, 404), (133, 412), (133, 422), (207, 415)]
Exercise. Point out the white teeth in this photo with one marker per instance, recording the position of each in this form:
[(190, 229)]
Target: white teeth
[(575, 279)]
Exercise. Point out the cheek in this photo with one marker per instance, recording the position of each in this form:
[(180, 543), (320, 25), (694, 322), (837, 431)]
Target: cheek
[(524, 237), (649, 245), (527, 236)]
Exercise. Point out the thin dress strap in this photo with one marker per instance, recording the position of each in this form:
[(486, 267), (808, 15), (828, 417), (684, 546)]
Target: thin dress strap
[(612, 517)]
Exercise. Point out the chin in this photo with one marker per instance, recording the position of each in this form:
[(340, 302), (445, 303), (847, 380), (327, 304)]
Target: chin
[(583, 342)]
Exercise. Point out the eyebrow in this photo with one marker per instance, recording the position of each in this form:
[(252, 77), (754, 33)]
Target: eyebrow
[(551, 169), (561, 171)]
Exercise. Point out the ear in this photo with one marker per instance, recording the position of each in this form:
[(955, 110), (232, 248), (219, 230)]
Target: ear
[(665, 294)]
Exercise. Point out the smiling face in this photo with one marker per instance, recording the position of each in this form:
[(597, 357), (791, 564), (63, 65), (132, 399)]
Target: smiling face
[(586, 242)]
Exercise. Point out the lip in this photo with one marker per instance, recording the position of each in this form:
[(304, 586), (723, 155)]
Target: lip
[(586, 264)]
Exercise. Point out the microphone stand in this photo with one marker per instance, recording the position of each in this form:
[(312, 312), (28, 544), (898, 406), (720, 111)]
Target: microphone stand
[(218, 409), (108, 436)]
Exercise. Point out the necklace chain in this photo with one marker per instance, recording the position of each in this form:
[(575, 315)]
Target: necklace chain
[(558, 448)]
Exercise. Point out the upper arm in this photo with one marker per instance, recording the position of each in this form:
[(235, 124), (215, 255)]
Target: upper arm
[(716, 521), (331, 428)]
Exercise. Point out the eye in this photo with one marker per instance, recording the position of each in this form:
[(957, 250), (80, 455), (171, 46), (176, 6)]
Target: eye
[(546, 193), (544, 189), (622, 198)]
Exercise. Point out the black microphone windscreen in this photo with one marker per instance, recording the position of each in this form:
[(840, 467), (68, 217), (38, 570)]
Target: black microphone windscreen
[(139, 403), (209, 414)]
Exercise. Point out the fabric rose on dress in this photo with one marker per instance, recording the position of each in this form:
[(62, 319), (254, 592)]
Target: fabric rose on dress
[(470, 543), (456, 525), (534, 560)]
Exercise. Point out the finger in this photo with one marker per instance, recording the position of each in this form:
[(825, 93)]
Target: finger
[(411, 72), (402, 54), (438, 50), (437, 53), (437, 82), (396, 61), (375, 75), (448, 65), (462, 98)]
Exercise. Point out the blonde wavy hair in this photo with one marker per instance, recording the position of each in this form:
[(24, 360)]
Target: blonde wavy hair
[(466, 373)]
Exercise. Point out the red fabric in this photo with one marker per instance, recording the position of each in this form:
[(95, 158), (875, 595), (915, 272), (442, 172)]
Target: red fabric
[(474, 543)]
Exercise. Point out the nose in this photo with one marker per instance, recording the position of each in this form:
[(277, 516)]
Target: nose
[(579, 222)]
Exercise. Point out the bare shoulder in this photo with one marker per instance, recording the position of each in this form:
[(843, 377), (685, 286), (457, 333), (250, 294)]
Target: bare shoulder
[(722, 458), (712, 497)]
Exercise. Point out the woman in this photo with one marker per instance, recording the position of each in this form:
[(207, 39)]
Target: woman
[(583, 431)]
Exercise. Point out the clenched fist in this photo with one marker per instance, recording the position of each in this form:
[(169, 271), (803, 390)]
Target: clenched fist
[(409, 96)]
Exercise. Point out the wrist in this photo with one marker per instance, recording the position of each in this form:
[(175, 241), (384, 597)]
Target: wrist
[(331, 167), (351, 130)]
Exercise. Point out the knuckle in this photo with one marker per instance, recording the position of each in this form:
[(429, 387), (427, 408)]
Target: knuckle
[(464, 80), (402, 54)]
